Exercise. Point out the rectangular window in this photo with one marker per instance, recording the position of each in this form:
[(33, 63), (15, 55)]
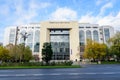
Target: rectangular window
[(95, 27), (67, 50), (82, 48), (61, 50), (88, 27), (81, 27)]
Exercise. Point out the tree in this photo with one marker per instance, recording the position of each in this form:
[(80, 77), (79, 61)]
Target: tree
[(115, 44), (94, 50), (13, 52), (27, 54), (47, 52), (4, 54), (19, 53)]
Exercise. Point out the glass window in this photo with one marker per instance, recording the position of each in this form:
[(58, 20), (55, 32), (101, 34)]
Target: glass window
[(61, 49), (36, 47), (107, 34), (12, 36), (37, 36), (82, 37), (60, 43), (30, 45), (88, 34), (95, 36), (30, 37), (59, 38)]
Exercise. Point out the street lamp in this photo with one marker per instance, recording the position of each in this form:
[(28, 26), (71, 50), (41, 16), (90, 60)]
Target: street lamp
[(24, 36)]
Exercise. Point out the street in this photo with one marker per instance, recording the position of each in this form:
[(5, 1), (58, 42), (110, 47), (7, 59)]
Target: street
[(89, 72)]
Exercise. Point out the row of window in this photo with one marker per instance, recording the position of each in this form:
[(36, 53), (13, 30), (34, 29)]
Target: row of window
[(87, 27), (31, 36), (60, 57), (30, 27), (88, 35), (60, 50)]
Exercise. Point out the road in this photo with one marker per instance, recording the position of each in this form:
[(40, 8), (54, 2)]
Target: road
[(89, 72)]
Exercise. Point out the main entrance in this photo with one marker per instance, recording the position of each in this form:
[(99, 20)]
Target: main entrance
[(64, 38), (59, 39)]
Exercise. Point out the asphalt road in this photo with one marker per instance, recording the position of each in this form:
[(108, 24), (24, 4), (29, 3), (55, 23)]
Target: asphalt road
[(89, 72)]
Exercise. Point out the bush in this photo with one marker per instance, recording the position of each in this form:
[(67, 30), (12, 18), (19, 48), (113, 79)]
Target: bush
[(65, 63)]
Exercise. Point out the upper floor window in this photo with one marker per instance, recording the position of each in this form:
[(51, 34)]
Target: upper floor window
[(30, 37), (106, 33), (81, 36), (95, 36), (37, 36), (88, 34)]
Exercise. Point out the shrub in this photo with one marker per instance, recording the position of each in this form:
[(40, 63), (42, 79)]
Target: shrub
[(65, 63)]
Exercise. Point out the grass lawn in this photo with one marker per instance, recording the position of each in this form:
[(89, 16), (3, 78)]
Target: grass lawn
[(110, 62), (37, 67)]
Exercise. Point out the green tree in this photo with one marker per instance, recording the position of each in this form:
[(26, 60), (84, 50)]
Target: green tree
[(115, 45), (19, 53), (94, 50), (13, 51), (47, 52), (4, 54), (27, 54)]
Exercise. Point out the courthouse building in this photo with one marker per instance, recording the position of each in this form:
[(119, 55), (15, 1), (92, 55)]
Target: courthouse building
[(67, 38)]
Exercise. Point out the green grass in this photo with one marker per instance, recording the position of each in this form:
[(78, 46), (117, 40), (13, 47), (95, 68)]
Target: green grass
[(110, 62), (37, 67)]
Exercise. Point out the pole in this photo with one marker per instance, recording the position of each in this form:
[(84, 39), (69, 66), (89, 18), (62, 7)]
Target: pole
[(16, 37)]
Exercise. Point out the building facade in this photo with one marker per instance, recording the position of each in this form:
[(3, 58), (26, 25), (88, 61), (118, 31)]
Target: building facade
[(67, 38)]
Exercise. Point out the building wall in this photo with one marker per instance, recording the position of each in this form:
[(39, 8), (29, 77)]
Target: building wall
[(9, 31), (74, 35), (43, 29)]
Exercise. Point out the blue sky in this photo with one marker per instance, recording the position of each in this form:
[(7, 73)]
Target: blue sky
[(17, 12)]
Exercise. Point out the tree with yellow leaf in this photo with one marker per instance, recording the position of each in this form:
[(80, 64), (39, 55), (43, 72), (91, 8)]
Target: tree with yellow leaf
[(94, 50)]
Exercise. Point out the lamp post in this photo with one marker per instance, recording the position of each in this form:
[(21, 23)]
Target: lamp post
[(16, 37), (24, 36)]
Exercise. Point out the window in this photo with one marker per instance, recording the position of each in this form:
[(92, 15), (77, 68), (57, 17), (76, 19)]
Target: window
[(88, 34), (88, 27), (36, 47), (30, 37), (61, 49), (95, 27), (106, 34), (95, 36), (37, 36), (67, 50), (81, 27), (12, 36), (82, 37)]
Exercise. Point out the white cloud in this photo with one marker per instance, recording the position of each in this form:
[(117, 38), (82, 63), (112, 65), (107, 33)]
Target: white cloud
[(106, 20), (64, 14), (104, 7), (111, 20), (88, 18), (17, 12), (26, 15)]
